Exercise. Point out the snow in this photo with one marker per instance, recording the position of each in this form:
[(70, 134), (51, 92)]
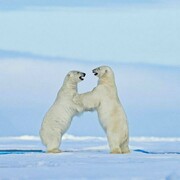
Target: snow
[(88, 158)]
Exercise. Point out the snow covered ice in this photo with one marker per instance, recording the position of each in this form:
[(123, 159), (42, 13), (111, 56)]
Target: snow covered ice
[(88, 158)]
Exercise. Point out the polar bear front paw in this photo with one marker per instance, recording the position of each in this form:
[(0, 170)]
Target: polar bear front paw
[(77, 100)]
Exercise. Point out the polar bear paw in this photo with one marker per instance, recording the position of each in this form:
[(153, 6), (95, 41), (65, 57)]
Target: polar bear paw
[(77, 100), (116, 151), (54, 151)]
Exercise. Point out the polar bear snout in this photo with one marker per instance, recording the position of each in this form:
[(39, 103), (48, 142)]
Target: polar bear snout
[(81, 77), (95, 72), (101, 71)]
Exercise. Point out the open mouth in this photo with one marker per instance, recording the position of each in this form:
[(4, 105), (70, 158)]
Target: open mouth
[(82, 76), (95, 73)]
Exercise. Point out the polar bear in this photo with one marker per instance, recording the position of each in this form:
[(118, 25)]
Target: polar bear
[(58, 118), (104, 99)]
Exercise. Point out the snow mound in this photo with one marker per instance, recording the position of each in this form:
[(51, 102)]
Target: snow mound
[(69, 137)]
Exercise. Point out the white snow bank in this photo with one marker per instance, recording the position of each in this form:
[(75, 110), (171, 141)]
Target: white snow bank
[(84, 158), (155, 139), (24, 137), (70, 137)]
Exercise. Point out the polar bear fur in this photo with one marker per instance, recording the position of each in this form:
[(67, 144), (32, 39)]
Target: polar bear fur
[(104, 99), (58, 118)]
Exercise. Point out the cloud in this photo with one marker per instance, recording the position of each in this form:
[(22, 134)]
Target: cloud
[(109, 34)]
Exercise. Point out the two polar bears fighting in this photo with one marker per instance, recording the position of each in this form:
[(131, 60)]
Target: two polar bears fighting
[(103, 98)]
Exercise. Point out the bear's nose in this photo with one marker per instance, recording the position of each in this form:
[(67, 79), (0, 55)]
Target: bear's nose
[(84, 74)]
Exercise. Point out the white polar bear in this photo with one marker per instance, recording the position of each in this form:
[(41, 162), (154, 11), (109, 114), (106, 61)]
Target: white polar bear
[(104, 99), (58, 119)]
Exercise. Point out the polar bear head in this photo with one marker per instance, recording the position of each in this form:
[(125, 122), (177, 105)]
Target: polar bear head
[(103, 71), (75, 76)]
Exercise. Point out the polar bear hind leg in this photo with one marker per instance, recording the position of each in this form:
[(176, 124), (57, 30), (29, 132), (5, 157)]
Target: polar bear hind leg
[(113, 141), (125, 147)]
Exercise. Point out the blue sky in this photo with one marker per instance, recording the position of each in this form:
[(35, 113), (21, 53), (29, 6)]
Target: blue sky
[(23, 4), (123, 31), (149, 94), (40, 41)]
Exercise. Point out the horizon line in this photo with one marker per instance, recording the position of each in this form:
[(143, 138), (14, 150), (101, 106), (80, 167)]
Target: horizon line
[(8, 54)]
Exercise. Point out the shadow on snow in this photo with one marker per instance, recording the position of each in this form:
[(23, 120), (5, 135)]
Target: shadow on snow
[(17, 151), (150, 152)]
